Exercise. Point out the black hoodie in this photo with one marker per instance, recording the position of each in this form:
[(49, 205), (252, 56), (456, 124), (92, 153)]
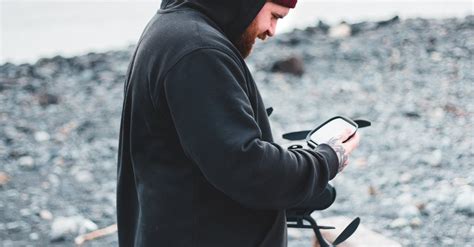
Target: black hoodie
[(197, 165)]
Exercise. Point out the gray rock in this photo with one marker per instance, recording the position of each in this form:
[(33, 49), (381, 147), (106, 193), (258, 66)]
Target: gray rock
[(45, 99), (34, 236), (13, 226), (292, 65)]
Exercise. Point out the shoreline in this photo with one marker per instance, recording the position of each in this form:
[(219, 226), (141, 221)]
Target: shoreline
[(56, 29)]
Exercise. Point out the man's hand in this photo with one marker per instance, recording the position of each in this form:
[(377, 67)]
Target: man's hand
[(344, 149)]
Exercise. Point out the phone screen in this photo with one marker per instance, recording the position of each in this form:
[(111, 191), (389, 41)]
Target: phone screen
[(331, 129)]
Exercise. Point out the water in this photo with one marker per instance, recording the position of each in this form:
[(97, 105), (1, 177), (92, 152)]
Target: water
[(34, 29)]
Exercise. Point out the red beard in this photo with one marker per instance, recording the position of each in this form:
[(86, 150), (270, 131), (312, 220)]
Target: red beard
[(245, 42)]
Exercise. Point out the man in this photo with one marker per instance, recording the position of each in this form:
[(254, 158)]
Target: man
[(197, 164)]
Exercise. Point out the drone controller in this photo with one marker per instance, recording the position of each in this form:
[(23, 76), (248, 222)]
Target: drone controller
[(297, 216)]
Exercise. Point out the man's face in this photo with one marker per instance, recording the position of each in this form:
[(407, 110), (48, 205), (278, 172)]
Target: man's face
[(262, 26)]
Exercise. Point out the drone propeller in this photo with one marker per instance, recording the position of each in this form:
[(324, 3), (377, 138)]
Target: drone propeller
[(362, 123), (296, 136), (269, 111), (346, 233), (301, 135), (350, 229)]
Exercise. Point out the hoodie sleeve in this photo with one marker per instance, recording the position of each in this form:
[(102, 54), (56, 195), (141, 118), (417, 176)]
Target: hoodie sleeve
[(215, 124)]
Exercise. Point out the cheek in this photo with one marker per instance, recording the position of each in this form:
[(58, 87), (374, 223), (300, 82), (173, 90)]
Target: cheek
[(264, 26)]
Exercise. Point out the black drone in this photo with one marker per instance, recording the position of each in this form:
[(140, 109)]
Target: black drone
[(296, 217)]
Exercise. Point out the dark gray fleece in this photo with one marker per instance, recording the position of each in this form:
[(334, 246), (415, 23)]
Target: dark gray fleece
[(197, 165)]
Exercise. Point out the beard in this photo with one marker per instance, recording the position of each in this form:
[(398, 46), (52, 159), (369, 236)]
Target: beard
[(246, 41)]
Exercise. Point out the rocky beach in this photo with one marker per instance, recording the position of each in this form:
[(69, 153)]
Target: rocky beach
[(411, 179)]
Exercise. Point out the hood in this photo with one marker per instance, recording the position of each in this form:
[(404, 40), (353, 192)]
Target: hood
[(232, 16)]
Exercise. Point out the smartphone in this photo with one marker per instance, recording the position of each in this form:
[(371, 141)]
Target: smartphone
[(331, 128)]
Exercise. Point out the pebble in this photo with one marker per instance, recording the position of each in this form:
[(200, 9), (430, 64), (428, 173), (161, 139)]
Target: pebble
[(342, 30), (84, 176), (26, 162), (25, 212), (409, 211), (13, 226), (434, 158), (4, 178), (34, 236), (399, 223), (292, 65), (46, 99), (45, 215), (464, 202), (41, 136), (416, 222), (405, 177)]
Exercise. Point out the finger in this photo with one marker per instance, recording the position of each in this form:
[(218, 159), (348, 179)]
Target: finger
[(352, 143), (345, 134)]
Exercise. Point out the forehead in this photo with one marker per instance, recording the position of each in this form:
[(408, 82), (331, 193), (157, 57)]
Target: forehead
[(273, 7)]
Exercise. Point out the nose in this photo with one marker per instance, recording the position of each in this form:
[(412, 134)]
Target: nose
[(271, 31)]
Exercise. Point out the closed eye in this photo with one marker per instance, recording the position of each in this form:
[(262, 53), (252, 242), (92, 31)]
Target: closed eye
[(277, 16)]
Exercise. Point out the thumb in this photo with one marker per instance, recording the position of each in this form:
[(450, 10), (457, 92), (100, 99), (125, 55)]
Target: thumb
[(345, 135)]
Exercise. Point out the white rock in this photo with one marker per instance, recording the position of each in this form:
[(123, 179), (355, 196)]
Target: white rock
[(34, 236), (26, 161), (434, 158), (465, 202), (340, 31), (416, 222), (41, 136), (64, 226), (399, 223), (405, 198), (84, 176), (405, 177), (409, 211), (46, 215), (436, 56)]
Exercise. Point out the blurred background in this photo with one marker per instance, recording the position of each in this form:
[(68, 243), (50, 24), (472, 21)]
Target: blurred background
[(407, 66), (69, 27)]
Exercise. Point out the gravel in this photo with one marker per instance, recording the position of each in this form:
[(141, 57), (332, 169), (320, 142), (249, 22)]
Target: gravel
[(411, 178)]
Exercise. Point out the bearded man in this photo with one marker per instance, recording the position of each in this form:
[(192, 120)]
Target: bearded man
[(197, 165)]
